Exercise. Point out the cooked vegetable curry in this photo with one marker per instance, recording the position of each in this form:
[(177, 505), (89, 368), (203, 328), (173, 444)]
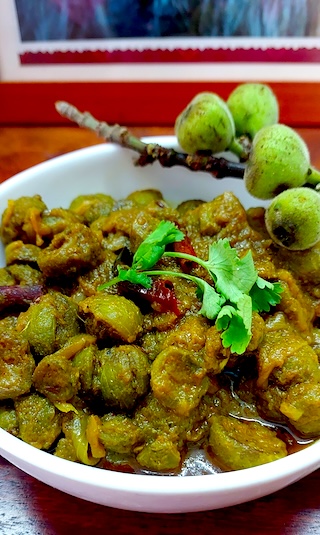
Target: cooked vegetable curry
[(121, 375)]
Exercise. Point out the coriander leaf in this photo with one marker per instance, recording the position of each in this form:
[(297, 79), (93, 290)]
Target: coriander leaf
[(153, 247), (131, 275), (246, 273), (235, 334), (265, 294), (244, 308), (233, 276), (211, 300)]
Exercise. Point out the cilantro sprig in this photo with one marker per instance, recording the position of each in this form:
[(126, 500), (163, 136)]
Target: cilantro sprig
[(236, 292), (153, 247), (147, 255)]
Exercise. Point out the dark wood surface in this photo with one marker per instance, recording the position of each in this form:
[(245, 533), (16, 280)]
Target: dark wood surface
[(29, 507)]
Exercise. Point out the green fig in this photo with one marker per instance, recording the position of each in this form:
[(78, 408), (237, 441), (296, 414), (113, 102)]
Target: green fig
[(293, 218), (253, 106), (205, 124), (279, 160)]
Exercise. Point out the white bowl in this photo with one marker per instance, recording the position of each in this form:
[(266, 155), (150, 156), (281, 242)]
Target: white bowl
[(108, 168)]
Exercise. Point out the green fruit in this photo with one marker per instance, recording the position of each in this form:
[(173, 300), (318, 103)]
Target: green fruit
[(205, 124), (279, 160), (253, 106), (293, 218)]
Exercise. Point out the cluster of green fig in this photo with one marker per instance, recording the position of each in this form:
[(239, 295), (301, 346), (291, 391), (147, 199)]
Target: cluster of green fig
[(277, 159)]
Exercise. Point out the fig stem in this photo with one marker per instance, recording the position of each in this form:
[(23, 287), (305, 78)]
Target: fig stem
[(313, 177), (241, 147), (150, 152)]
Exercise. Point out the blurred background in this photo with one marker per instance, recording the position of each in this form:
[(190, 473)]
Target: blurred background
[(43, 60), (95, 19)]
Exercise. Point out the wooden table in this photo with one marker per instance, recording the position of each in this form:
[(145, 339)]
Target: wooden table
[(29, 507)]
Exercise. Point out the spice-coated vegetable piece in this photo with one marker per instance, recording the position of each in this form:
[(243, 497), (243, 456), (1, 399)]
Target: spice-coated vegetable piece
[(111, 316), (8, 418), (215, 355), (38, 420), (70, 252), (84, 363), (118, 221), (16, 361), (189, 334), (17, 251), (155, 419), (75, 344), (21, 219), (122, 375), (25, 275), (56, 378), (160, 454), (145, 196), (91, 207), (187, 206), (177, 381), (285, 361), (305, 265), (92, 434), (6, 279), (119, 433), (240, 444), (75, 429), (302, 408), (89, 282), (57, 220), (49, 323)]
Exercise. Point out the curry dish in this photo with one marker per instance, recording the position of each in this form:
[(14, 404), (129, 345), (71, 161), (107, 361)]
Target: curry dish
[(137, 379)]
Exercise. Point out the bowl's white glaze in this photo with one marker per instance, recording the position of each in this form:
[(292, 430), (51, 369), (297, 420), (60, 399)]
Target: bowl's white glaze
[(109, 169)]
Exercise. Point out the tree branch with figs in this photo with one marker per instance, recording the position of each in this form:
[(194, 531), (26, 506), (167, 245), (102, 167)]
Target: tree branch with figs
[(273, 160)]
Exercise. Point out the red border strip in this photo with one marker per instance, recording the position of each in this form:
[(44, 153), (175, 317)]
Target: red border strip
[(141, 103), (239, 55)]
